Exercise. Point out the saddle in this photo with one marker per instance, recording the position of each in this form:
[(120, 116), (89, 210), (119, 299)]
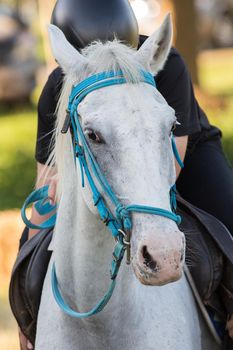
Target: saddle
[(27, 281), (208, 243)]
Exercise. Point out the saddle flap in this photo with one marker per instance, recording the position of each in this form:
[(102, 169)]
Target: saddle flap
[(26, 281), (36, 272), (203, 256), (215, 228)]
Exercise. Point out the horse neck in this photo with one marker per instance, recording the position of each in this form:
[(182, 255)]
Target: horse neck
[(83, 251)]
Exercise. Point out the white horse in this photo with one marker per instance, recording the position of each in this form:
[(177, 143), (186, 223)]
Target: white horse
[(128, 128)]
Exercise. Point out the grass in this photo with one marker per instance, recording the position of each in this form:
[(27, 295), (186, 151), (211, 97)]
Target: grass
[(216, 78), (215, 72), (17, 166)]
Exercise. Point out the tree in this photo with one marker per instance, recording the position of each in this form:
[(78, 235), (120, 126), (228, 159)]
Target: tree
[(187, 39), (45, 9)]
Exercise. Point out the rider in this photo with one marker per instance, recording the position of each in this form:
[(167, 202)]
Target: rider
[(207, 179)]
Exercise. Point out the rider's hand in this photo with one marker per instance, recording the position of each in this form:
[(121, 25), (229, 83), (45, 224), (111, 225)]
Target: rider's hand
[(42, 179), (52, 191), (24, 342)]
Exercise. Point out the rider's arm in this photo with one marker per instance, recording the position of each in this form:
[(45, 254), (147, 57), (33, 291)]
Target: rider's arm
[(46, 123), (175, 85), (45, 176), (181, 144)]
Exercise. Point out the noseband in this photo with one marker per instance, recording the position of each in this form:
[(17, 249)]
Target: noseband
[(120, 222)]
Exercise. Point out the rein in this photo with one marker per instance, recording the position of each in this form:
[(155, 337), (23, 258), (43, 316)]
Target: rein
[(119, 223)]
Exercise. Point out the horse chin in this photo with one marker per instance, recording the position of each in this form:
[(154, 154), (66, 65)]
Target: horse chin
[(158, 278)]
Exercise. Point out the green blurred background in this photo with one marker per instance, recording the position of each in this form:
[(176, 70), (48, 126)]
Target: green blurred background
[(211, 65), (203, 34)]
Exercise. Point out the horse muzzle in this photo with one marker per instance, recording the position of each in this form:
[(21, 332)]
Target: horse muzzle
[(162, 263)]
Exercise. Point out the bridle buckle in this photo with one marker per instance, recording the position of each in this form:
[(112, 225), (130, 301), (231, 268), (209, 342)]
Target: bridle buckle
[(127, 244)]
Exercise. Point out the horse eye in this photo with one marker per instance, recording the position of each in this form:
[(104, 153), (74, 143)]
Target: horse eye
[(93, 136)]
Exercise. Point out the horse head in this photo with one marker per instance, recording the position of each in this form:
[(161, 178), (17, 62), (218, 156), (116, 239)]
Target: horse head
[(128, 128)]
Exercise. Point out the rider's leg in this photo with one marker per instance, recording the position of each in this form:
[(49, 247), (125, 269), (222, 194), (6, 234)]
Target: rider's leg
[(207, 182)]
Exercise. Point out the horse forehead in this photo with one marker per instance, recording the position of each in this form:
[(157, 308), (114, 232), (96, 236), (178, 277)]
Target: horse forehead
[(127, 98)]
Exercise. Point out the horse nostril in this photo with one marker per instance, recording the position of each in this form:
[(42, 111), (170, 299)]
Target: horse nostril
[(148, 260)]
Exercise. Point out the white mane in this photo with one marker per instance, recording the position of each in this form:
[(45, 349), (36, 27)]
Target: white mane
[(109, 56)]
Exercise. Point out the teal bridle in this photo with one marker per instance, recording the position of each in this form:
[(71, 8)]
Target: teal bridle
[(120, 222)]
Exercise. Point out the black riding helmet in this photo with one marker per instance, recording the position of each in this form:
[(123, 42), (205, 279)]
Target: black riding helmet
[(83, 21)]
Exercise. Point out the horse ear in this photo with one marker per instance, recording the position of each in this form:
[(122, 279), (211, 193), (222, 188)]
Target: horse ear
[(154, 51), (64, 53)]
